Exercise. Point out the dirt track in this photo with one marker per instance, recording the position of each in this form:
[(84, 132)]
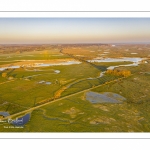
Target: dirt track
[(36, 107)]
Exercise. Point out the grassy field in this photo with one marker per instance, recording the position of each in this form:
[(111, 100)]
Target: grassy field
[(93, 51), (135, 88), (42, 54), (25, 89), (76, 114)]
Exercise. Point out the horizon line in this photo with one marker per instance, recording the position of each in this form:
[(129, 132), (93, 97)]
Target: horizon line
[(72, 43)]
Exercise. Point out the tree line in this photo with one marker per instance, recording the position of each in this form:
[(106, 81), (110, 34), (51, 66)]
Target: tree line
[(117, 72)]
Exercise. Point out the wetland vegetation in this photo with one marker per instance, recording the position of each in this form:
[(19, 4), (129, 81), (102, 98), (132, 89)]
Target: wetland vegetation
[(52, 82)]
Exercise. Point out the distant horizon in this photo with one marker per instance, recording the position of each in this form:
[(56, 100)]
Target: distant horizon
[(76, 43), (74, 30)]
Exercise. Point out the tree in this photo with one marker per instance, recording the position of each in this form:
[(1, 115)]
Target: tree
[(116, 72), (4, 74), (126, 73)]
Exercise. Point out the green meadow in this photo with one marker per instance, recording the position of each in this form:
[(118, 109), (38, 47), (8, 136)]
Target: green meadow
[(22, 89)]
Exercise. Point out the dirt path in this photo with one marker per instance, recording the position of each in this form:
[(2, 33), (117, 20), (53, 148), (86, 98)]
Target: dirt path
[(56, 100), (61, 98)]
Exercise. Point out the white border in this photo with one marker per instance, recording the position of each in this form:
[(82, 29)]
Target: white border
[(74, 5), (75, 15), (72, 135)]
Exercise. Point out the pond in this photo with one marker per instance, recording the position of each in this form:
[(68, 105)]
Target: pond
[(57, 71), (43, 65), (40, 82), (10, 67), (13, 67), (106, 97), (134, 59), (4, 114), (21, 121), (2, 69), (48, 83), (60, 63), (44, 82)]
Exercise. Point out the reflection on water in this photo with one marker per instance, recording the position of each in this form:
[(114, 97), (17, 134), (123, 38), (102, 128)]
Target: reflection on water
[(2, 69), (21, 121), (44, 82), (42, 65), (4, 114), (10, 67), (134, 60), (112, 67), (106, 97), (57, 71), (61, 63), (48, 83)]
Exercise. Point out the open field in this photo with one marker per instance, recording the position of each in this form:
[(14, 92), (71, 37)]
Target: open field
[(31, 85), (108, 51)]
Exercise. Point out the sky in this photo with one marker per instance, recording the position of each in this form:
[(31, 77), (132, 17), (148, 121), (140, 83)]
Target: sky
[(74, 30)]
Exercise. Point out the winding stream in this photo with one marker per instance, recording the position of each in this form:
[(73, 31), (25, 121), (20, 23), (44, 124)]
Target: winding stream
[(135, 62)]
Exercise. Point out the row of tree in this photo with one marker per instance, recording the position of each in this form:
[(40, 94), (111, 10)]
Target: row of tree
[(116, 72)]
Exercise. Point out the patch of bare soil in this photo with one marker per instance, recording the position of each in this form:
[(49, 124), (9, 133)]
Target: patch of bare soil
[(73, 112), (102, 120), (102, 107)]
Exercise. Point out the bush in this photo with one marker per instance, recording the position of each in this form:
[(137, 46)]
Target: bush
[(116, 72), (4, 75)]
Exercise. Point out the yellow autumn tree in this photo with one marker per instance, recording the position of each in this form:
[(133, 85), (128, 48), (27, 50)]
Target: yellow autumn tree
[(4, 74), (126, 73), (116, 72)]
